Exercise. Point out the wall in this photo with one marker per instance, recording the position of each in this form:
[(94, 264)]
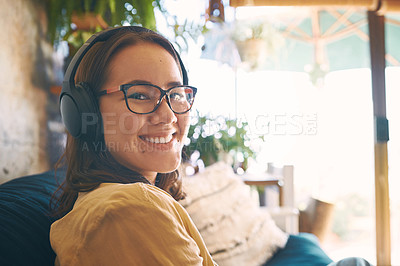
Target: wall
[(24, 69)]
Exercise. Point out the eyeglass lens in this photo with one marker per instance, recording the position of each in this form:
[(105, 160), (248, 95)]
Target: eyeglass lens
[(145, 98)]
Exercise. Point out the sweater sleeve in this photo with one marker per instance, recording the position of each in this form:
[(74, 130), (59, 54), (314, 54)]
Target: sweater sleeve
[(134, 224)]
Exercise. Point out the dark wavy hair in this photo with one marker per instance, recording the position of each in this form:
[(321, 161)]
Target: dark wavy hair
[(87, 165)]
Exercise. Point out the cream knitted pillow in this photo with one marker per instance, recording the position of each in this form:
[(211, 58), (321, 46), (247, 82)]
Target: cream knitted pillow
[(234, 228)]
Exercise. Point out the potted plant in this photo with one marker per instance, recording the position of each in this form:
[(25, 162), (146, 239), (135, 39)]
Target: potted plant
[(256, 40), (249, 43), (73, 20), (216, 139)]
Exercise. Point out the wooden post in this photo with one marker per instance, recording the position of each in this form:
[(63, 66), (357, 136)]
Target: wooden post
[(317, 218), (376, 26)]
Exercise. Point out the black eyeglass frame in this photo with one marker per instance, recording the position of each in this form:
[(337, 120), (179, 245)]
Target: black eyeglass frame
[(163, 93)]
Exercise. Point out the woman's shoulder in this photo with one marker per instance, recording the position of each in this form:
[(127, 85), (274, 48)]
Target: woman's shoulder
[(109, 198), (142, 220), (115, 195), (119, 201)]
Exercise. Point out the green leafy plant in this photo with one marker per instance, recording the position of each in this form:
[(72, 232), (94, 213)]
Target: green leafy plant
[(215, 139), (114, 12)]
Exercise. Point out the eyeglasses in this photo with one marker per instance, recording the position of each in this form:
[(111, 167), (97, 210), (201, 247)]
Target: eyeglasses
[(146, 98)]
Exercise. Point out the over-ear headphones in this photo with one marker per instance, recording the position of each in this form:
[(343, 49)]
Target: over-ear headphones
[(78, 105)]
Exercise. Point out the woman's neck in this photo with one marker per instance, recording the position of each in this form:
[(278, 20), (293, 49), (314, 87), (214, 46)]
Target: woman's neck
[(151, 177)]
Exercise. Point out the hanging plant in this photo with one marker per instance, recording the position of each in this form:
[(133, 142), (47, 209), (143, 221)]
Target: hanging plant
[(252, 44), (256, 40), (62, 15)]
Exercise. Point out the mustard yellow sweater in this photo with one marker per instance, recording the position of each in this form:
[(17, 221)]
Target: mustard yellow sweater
[(127, 224)]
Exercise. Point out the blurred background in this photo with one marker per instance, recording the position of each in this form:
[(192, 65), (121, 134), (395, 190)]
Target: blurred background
[(284, 84)]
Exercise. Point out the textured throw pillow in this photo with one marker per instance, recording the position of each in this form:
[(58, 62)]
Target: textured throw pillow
[(234, 228)]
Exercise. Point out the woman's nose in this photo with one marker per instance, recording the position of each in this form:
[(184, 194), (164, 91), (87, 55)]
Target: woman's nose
[(164, 114)]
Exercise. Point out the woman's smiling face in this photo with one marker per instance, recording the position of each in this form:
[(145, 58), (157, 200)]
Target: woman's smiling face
[(146, 143)]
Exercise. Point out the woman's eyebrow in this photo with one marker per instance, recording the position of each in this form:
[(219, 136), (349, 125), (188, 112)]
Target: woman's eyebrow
[(138, 81), (174, 83)]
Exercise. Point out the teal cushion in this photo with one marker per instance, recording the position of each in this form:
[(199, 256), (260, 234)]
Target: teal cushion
[(25, 220), (300, 250)]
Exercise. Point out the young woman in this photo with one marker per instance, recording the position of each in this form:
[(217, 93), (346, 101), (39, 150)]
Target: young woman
[(127, 112)]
